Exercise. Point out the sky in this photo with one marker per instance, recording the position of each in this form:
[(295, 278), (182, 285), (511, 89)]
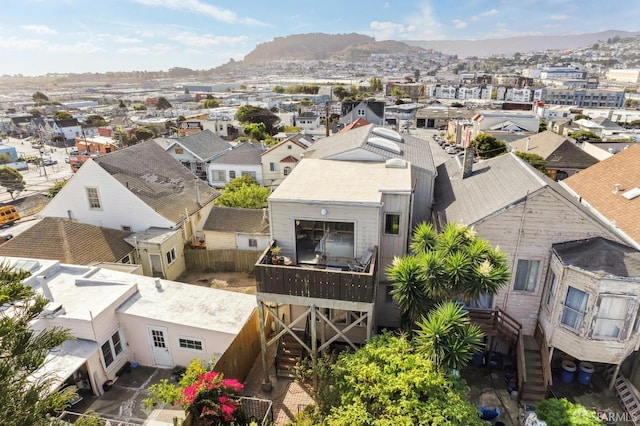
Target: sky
[(76, 36)]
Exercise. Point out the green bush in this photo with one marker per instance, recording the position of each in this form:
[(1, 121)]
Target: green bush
[(562, 412)]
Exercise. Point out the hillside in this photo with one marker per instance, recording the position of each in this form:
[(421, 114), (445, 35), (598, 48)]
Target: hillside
[(509, 46), (319, 46)]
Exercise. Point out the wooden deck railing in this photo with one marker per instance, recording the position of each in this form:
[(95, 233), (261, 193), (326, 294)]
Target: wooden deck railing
[(307, 281), (522, 367)]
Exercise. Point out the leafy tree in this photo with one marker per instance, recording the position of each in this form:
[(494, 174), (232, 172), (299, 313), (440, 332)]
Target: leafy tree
[(584, 135), (144, 133), (244, 192), (62, 115), (291, 129), (163, 103), (453, 265), (448, 338), (243, 87), (389, 382), (211, 103), (340, 92), (581, 117), (12, 180), (252, 114), (96, 120), (40, 98), (375, 84), (487, 146), (139, 107), (35, 112), (5, 158), (278, 89), (457, 105), (56, 187), (255, 130), (24, 401), (562, 412), (542, 126), (534, 160), (120, 135)]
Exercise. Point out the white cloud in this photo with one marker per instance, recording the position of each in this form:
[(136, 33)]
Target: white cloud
[(558, 17), (134, 51), (193, 39), (18, 43), (490, 12), (222, 15), (390, 30), (459, 24), (126, 40), (39, 29)]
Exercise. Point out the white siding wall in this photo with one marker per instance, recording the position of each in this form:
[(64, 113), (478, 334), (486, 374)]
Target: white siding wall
[(242, 241), (547, 219), (255, 168), (366, 221), (120, 207), (215, 343), (220, 240), (275, 156), (394, 245)]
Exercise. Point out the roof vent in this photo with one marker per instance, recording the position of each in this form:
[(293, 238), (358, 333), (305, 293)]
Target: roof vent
[(618, 188), (632, 193), (395, 163)]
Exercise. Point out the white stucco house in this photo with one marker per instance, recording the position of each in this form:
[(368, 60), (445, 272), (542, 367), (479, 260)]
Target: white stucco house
[(119, 319), (244, 159)]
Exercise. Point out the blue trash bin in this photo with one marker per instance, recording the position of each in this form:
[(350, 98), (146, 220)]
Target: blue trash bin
[(568, 371), (585, 372)]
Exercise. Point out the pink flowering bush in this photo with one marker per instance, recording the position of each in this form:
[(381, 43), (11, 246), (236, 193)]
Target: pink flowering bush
[(211, 400)]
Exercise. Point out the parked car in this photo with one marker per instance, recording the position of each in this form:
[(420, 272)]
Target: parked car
[(450, 150), (36, 145), (49, 162), (66, 159), (5, 237)]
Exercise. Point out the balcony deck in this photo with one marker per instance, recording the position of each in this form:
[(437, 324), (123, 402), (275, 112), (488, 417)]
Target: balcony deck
[(316, 282)]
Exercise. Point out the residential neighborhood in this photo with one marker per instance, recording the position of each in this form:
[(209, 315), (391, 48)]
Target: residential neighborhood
[(131, 210)]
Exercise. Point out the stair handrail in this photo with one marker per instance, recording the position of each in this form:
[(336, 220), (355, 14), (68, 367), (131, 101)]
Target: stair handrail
[(522, 368), (541, 339)]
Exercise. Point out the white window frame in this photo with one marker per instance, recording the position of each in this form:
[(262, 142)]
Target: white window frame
[(551, 289), (187, 340), (171, 255), (273, 167), (95, 203), (581, 313), (528, 280), (624, 320), (286, 171), (249, 173), (253, 242), (218, 175), (116, 349), (387, 216)]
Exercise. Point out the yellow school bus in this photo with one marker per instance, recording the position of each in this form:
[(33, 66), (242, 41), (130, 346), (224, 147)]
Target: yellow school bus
[(8, 215)]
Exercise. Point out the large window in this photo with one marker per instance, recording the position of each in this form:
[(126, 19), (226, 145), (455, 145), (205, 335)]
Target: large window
[(286, 171), (612, 316), (273, 167), (527, 275), (392, 223), (94, 198), (574, 308), (249, 173), (328, 243), (111, 349)]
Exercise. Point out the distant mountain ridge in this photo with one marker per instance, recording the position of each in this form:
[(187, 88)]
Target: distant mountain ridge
[(320, 46), (522, 44)]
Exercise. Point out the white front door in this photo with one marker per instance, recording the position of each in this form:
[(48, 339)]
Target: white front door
[(160, 346), (156, 265)]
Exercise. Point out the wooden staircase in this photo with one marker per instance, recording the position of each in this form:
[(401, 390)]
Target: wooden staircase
[(534, 388), (288, 354), (628, 398)]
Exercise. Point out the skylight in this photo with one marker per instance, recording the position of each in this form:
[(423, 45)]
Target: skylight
[(632, 193), (387, 133), (384, 144)]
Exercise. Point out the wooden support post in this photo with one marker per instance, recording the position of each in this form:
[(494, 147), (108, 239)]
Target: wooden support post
[(266, 381), (314, 346), (614, 377)]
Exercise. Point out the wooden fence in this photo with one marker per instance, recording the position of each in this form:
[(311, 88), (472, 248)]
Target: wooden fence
[(221, 260)]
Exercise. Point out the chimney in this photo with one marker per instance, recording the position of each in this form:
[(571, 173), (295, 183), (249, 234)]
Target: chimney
[(264, 215), (618, 188), (42, 280), (467, 162), (528, 144)]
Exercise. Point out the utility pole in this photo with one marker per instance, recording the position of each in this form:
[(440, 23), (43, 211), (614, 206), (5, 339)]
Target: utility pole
[(326, 120)]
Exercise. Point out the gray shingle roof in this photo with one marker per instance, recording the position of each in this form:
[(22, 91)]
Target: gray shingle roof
[(415, 150), (230, 219), (601, 256), (494, 184), (69, 242), (558, 151), (152, 175), (244, 153), (204, 145)]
